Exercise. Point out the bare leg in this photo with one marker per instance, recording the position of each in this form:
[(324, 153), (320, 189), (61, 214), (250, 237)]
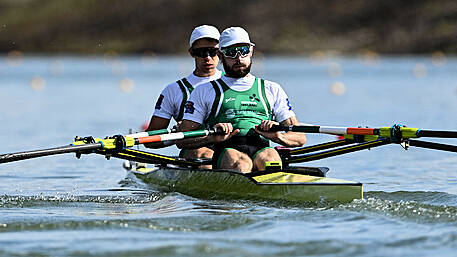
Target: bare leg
[(267, 155), (234, 159), (203, 152)]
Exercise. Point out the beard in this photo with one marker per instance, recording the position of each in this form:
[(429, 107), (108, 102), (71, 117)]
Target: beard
[(236, 74)]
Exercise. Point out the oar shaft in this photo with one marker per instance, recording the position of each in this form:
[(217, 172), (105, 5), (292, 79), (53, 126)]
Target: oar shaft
[(334, 152), (326, 129), (172, 136), (437, 133), (432, 145), (109, 145), (150, 133), (10, 157)]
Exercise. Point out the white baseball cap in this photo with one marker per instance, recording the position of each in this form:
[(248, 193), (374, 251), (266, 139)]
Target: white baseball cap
[(234, 35), (204, 31)]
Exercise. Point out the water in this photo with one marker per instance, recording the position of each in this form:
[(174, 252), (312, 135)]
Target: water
[(62, 206)]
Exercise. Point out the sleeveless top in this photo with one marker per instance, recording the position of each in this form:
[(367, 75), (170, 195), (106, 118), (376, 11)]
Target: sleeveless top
[(244, 109)]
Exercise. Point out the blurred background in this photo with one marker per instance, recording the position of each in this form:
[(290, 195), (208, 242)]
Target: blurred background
[(278, 27)]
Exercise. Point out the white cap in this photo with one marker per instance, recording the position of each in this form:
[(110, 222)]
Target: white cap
[(234, 35), (204, 31)]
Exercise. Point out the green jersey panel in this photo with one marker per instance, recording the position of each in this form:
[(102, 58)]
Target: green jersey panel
[(244, 109)]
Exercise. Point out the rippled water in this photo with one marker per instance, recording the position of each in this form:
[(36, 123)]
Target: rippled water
[(60, 205)]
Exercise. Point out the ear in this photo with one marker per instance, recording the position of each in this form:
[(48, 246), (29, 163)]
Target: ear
[(190, 52)]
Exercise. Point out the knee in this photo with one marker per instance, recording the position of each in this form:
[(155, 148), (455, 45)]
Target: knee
[(236, 160), (244, 166), (268, 154), (206, 153)]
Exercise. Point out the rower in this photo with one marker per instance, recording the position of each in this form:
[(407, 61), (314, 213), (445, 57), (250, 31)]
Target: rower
[(243, 107), (203, 47)]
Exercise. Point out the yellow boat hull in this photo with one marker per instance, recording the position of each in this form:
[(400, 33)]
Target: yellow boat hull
[(295, 184)]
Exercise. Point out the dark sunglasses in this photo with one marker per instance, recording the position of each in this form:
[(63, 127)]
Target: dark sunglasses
[(232, 52), (204, 51)]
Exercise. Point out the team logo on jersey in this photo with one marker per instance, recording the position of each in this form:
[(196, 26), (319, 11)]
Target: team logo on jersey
[(189, 107), (254, 97), (159, 102), (230, 114), (248, 103), (288, 104), (229, 99)]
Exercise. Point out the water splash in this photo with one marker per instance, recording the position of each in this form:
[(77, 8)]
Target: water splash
[(420, 207)]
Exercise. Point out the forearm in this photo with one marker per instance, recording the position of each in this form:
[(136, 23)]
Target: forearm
[(291, 139), (157, 145), (194, 143), (157, 123)]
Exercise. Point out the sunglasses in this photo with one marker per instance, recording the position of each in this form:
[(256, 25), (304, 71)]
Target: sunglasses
[(232, 52), (204, 51)]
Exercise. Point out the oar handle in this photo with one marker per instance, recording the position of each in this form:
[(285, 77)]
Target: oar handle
[(295, 128)]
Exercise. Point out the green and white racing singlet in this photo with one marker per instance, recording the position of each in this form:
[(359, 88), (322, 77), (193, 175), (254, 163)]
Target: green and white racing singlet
[(244, 109), (186, 89), (173, 98)]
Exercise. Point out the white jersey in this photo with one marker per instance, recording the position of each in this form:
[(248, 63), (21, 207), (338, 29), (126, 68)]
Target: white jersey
[(170, 102), (202, 98)]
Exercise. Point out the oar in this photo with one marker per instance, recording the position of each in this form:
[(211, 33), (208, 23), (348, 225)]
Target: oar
[(11, 157), (386, 132), (151, 133), (396, 134), (90, 145)]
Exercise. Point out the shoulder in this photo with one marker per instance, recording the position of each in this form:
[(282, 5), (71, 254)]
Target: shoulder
[(172, 87), (204, 88), (271, 85)]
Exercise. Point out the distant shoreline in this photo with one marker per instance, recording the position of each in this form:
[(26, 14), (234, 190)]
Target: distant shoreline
[(292, 27)]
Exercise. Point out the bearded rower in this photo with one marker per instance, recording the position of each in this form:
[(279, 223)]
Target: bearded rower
[(243, 107), (203, 48)]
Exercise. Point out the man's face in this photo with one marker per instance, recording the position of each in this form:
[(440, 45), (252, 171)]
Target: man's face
[(201, 51), (238, 66)]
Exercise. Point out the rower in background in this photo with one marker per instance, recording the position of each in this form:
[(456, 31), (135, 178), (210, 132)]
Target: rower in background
[(203, 47), (243, 107)]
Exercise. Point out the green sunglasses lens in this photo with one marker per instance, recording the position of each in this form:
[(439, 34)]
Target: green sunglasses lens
[(233, 51)]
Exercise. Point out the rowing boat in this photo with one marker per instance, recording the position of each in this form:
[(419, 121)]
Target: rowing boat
[(293, 184)]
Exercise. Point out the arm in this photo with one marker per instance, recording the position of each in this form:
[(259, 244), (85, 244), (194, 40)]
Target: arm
[(163, 112), (289, 139), (192, 143), (155, 124)]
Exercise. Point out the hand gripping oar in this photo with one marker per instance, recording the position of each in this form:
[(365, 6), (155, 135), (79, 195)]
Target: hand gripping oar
[(92, 145)]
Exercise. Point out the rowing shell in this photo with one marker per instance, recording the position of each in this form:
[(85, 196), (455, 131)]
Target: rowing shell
[(295, 184)]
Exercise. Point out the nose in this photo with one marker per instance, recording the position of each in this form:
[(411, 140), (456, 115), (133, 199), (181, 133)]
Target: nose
[(238, 55)]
